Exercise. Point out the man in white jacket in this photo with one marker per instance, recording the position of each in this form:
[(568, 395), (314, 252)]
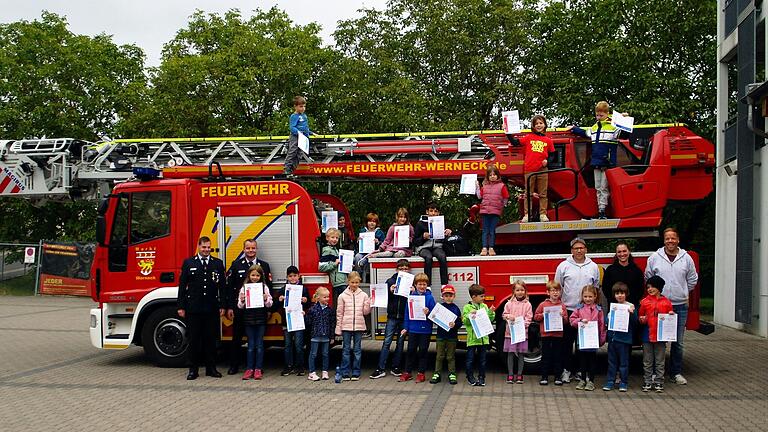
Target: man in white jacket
[(678, 270), (573, 275)]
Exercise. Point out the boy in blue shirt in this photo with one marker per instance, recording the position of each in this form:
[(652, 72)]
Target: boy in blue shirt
[(298, 123), (620, 343), (447, 339)]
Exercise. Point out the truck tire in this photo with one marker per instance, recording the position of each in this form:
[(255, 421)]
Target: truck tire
[(164, 337)]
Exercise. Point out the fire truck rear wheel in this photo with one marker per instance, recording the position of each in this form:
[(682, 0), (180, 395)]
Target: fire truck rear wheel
[(164, 337)]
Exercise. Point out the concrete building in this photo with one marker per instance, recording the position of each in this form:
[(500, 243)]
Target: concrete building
[(741, 236)]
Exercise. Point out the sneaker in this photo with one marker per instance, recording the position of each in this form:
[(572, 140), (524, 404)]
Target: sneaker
[(519, 379), (452, 379), (558, 382), (257, 374), (524, 219), (566, 377), (581, 385), (601, 215), (420, 377), (576, 376), (405, 377), (646, 387), (543, 381), (471, 380), (346, 378), (325, 376), (608, 386), (313, 377), (622, 387), (590, 386), (435, 378), (543, 218), (287, 371), (659, 388), (378, 373), (396, 372), (510, 379), (248, 374), (679, 379), (481, 381), (491, 252), (483, 251), (355, 378), (299, 372)]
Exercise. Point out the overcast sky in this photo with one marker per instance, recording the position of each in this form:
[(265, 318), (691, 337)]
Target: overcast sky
[(150, 24)]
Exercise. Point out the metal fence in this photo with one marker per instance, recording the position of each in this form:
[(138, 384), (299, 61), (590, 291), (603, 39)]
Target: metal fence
[(19, 260)]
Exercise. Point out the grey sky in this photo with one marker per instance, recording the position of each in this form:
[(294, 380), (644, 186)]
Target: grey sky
[(150, 24)]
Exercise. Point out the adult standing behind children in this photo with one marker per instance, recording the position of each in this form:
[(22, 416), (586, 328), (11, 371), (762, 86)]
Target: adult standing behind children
[(427, 247), (494, 196), (605, 142), (624, 269), (573, 274), (297, 123), (537, 147), (676, 267)]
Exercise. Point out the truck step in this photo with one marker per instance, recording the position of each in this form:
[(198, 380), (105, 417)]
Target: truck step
[(116, 336), (120, 315)]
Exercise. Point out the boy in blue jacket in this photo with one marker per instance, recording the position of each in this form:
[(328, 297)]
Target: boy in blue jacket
[(620, 343), (419, 332), (395, 324), (447, 339)]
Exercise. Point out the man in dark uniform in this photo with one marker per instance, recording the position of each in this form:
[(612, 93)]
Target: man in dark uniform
[(201, 302), (238, 271)]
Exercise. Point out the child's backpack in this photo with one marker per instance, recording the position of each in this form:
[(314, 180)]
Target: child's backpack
[(456, 245)]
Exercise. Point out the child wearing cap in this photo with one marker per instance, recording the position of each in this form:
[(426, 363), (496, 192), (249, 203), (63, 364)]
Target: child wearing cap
[(653, 351), (447, 339)]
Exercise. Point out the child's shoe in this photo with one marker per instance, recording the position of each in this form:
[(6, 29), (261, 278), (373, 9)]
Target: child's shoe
[(287, 371), (659, 388), (543, 381), (396, 372), (405, 377), (519, 379), (481, 381), (646, 387), (510, 379), (257, 374), (313, 377), (420, 377), (300, 372), (491, 252), (590, 386), (326, 376), (608, 386), (483, 251), (622, 388), (378, 373), (581, 385), (566, 376), (355, 378), (248, 374), (452, 379), (471, 380), (524, 219), (543, 218), (558, 382), (679, 379), (346, 378), (435, 378)]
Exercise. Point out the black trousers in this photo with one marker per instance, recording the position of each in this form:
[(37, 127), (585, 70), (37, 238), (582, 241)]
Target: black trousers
[(203, 331), (569, 339), (442, 260), (238, 330), (551, 357), (416, 342), (588, 365)]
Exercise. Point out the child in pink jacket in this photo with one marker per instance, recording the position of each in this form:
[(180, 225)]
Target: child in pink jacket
[(588, 310), (517, 306), (352, 306)]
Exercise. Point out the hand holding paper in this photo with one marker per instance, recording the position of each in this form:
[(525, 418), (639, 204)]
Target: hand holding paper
[(468, 184)]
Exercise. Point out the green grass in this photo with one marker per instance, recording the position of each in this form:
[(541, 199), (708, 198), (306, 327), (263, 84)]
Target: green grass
[(707, 306), (20, 286)]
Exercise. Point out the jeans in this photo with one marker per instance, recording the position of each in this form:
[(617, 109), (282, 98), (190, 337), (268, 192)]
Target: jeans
[(417, 342), (551, 357), (362, 264), (653, 362), (442, 260), (446, 349), (294, 348), (618, 359), (489, 229), (676, 348), (255, 358), (478, 351), (347, 349), (394, 326), (323, 348)]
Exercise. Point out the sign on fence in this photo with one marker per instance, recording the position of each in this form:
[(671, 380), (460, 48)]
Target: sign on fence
[(65, 268)]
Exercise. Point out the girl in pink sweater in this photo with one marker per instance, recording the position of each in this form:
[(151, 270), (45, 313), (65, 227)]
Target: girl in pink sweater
[(352, 306), (494, 196), (517, 307), (589, 310)]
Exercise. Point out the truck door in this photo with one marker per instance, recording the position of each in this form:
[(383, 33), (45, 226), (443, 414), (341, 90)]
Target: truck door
[(636, 188)]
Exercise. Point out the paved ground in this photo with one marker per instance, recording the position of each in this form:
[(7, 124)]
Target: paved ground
[(52, 379)]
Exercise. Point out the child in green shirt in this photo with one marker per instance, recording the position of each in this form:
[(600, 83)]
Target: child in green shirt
[(476, 347)]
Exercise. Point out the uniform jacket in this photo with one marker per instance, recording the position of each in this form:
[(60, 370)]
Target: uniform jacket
[(680, 275), (593, 312), (494, 196), (539, 317), (328, 265), (202, 289), (418, 326), (255, 316), (395, 303), (470, 307), (322, 321), (351, 310), (573, 276), (650, 308), (237, 273), (605, 140), (516, 308)]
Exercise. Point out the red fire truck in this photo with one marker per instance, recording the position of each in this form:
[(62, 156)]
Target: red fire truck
[(226, 189)]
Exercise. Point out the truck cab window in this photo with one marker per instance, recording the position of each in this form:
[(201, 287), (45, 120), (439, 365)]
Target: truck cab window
[(150, 215)]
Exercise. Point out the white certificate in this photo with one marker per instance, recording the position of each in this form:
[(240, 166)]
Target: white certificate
[(402, 236), (443, 317), (667, 328), (468, 184), (292, 299), (553, 319), (346, 259), (379, 295), (618, 317), (294, 320), (254, 295), (330, 220), (511, 121), (589, 337), (625, 123), (517, 331), (436, 227), (403, 284), (416, 305), (481, 324), (303, 143), (366, 242)]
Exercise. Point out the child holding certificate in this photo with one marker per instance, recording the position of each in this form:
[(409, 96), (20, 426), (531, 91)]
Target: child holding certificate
[(255, 319), (322, 321), (399, 239), (653, 351), (620, 342), (517, 307), (477, 345), (395, 321), (329, 262), (351, 310), (293, 352), (494, 196), (447, 339), (419, 330), (588, 311), (551, 314)]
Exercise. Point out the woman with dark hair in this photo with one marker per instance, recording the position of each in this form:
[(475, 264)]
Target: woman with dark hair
[(624, 270)]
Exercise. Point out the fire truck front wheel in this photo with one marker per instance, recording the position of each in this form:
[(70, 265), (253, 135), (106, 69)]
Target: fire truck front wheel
[(164, 337)]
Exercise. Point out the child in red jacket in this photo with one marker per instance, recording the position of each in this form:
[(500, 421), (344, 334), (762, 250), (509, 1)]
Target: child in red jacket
[(653, 351)]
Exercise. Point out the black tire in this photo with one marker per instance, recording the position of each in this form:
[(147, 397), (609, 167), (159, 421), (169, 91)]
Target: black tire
[(164, 336)]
